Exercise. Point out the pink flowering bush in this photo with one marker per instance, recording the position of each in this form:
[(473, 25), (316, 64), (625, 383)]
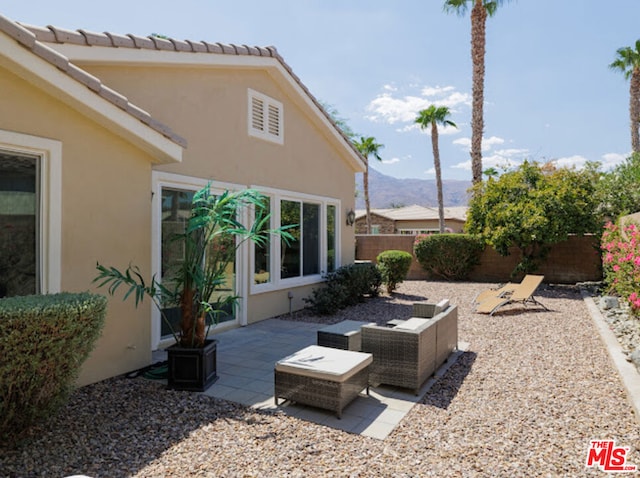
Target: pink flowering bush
[(621, 262)]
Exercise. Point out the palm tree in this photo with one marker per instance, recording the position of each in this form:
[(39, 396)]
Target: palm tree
[(628, 62), (434, 116), (479, 12), (368, 147)]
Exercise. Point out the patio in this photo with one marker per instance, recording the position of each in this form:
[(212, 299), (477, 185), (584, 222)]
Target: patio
[(533, 389), (246, 359)]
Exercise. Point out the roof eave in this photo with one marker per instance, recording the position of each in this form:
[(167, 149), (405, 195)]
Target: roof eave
[(43, 74)]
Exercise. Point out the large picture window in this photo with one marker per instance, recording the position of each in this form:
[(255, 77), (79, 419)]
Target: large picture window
[(312, 250)]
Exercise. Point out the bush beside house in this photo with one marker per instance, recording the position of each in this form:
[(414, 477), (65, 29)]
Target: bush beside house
[(45, 340)]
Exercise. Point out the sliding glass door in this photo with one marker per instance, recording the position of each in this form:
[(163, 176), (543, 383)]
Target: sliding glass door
[(175, 212)]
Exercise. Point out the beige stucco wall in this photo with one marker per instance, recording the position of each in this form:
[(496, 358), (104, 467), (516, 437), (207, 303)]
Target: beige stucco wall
[(208, 106), (105, 214)]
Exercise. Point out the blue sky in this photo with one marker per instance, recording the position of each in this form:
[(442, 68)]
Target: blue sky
[(549, 94)]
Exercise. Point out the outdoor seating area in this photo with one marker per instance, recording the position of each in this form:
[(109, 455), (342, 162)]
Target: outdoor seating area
[(501, 380), (410, 351)]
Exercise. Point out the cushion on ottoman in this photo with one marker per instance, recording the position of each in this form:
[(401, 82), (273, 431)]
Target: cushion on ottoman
[(324, 363)]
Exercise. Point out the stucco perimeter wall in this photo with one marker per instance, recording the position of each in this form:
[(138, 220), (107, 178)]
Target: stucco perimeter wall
[(105, 210), (576, 260)]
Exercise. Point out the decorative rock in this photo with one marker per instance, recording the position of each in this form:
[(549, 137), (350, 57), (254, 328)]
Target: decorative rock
[(608, 302)]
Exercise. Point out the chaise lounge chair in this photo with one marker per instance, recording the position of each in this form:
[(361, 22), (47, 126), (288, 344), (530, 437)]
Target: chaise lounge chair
[(497, 292), (521, 293)]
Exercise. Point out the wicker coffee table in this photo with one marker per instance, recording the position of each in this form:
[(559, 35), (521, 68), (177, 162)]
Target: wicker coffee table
[(322, 377), (344, 335)]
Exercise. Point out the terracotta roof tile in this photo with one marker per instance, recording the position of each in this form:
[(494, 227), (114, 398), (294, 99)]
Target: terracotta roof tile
[(83, 77), (179, 45), (121, 41), (114, 97), (162, 44), (142, 42), (51, 56), (22, 35), (197, 47), (67, 36), (96, 39), (213, 47), (32, 38), (41, 33)]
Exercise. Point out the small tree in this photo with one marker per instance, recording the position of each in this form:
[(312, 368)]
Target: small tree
[(620, 188), (394, 267), (533, 207)]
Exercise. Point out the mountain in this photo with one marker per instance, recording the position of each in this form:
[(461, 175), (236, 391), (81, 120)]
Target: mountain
[(386, 191)]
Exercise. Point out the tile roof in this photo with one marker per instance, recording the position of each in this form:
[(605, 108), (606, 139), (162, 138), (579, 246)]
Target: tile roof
[(30, 40), (52, 34), (417, 213)]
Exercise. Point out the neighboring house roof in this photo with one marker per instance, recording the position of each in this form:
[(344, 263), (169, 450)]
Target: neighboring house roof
[(83, 38), (416, 213), (47, 78)]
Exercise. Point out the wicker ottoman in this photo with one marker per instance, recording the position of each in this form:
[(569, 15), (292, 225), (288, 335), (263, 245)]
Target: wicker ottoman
[(343, 335), (322, 377)]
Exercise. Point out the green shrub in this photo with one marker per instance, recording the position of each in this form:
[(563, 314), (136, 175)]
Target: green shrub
[(448, 256), (348, 285), (394, 267), (44, 339)]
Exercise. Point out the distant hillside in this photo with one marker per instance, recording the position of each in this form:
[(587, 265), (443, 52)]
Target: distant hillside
[(386, 191)]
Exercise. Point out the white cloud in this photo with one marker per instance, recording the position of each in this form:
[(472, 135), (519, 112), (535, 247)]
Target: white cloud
[(391, 161), (576, 161), (487, 143), (390, 107), (430, 171), (611, 160), (503, 159)]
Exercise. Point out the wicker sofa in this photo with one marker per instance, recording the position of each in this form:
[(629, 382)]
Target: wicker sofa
[(407, 354)]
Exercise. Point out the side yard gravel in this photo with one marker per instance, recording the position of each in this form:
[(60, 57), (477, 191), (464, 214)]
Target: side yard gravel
[(524, 400)]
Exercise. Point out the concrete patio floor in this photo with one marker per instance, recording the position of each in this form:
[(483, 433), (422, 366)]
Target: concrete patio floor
[(246, 359)]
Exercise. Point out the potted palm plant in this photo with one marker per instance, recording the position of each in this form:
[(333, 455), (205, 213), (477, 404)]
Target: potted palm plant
[(212, 235)]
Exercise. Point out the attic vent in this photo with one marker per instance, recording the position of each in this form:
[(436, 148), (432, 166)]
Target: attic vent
[(265, 117)]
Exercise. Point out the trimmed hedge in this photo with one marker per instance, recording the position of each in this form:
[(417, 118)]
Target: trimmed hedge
[(448, 256), (394, 267), (348, 285), (44, 339)]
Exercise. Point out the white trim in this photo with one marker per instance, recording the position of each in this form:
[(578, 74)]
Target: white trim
[(44, 75), (159, 180), (276, 282), (50, 153)]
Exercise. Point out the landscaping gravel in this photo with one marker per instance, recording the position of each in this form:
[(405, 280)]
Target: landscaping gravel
[(533, 389)]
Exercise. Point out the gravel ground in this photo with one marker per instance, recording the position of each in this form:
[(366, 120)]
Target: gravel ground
[(525, 400)]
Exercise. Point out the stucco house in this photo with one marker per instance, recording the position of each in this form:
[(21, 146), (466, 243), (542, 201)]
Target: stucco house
[(410, 220), (105, 137)]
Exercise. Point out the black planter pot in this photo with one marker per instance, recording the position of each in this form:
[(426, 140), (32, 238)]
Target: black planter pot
[(192, 369)]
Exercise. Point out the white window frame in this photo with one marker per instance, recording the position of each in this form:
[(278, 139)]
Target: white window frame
[(162, 180), (276, 282), (264, 132), (49, 152)]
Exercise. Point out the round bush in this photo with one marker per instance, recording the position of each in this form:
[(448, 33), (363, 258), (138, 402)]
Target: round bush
[(448, 256), (44, 341), (394, 267)]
